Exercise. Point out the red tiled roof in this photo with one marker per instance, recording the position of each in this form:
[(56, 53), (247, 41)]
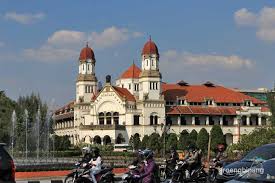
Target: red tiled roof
[(87, 53), (123, 92), (150, 48), (265, 109), (70, 105), (132, 72), (198, 93), (202, 110)]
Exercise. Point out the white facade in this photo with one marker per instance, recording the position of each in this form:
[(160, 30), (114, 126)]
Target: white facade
[(138, 105)]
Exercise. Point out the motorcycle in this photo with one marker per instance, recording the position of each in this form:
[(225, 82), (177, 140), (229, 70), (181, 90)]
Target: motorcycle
[(165, 171), (129, 176), (214, 168), (181, 174), (79, 168), (104, 176)]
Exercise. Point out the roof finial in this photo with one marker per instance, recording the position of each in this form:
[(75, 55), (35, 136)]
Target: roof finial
[(150, 39), (87, 44)]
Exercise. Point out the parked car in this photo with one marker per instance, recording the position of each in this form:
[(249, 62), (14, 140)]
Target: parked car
[(253, 158), (263, 172), (7, 168)]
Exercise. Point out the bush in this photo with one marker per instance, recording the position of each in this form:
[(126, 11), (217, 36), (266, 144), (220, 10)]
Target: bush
[(135, 141), (193, 138), (172, 140), (202, 140), (183, 140), (154, 142), (145, 142), (258, 137), (216, 137)]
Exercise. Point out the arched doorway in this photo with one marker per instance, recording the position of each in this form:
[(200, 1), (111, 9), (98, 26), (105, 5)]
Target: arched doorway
[(120, 139), (97, 140), (228, 138), (107, 140)]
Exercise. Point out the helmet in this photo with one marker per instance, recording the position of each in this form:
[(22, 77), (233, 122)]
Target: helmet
[(172, 149), (147, 153), (95, 151), (221, 147), (86, 150), (191, 147)]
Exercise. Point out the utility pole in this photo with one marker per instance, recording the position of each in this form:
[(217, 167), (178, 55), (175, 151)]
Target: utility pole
[(209, 149)]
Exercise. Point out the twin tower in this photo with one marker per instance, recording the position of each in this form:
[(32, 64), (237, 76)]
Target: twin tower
[(149, 79)]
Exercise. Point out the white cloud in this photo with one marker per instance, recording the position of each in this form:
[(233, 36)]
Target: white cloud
[(66, 37), (244, 17), (206, 61), (65, 45), (111, 36), (24, 18), (264, 21)]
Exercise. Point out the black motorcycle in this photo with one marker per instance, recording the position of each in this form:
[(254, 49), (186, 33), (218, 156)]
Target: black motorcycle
[(80, 167), (214, 168), (129, 176), (104, 176), (165, 171), (181, 174)]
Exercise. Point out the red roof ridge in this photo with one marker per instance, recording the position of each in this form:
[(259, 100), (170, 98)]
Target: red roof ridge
[(132, 72), (123, 92)]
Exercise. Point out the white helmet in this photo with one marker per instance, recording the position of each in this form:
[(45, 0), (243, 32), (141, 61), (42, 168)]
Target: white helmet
[(86, 150)]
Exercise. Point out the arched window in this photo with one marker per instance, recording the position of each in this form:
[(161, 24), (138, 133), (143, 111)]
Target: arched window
[(116, 118), (101, 118), (106, 140), (97, 140), (151, 120), (156, 120), (108, 118)]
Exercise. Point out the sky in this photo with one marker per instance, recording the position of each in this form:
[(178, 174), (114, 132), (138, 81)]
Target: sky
[(229, 43)]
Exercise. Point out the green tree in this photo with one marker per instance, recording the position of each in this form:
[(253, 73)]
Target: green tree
[(183, 140), (145, 142), (172, 140), (135, 141), (154, 142), (271, 105), (202, 140), (193, 137), (217, 137), (6, 108)]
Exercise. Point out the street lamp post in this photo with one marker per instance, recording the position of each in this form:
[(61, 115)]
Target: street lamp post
[(26, 148)]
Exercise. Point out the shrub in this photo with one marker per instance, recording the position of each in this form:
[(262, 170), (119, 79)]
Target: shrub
[(202, 140), (216, 137)]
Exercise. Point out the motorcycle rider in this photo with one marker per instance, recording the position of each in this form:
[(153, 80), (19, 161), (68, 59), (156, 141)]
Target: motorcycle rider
[(87, 155), (174, 157), (95, 163), (221, 155), (192, 159), (148, 174)]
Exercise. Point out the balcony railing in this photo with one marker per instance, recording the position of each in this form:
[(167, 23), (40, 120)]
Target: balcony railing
[(102, 127)]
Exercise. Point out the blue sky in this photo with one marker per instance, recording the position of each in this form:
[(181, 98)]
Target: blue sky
[(229, 43)]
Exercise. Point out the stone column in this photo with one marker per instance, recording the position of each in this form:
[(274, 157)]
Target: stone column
[(221, 120), (193, 120), (179, 119), (248, 120), (260, 120), (207, 120), (235, 121)]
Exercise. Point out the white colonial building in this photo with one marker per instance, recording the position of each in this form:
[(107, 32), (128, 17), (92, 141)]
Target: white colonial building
[(139, 102)]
